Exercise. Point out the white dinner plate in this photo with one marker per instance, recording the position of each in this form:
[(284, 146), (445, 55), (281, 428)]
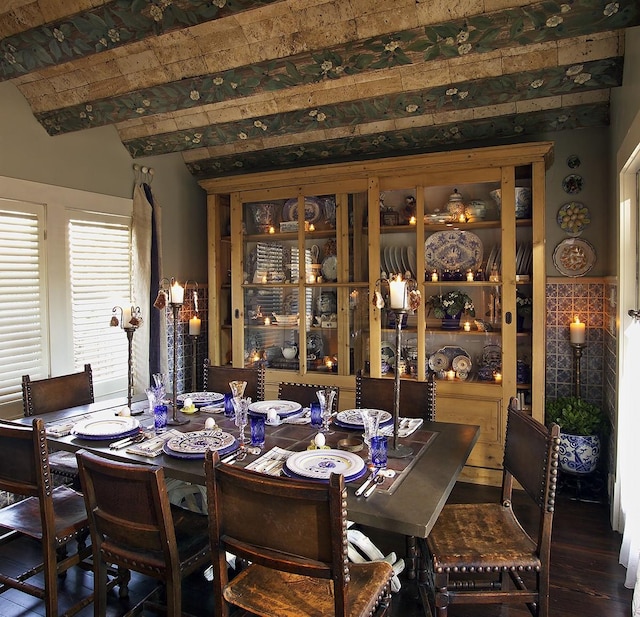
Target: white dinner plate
[(320, 464), (282, 408), (353, 417), (105, 427), (201, 398)]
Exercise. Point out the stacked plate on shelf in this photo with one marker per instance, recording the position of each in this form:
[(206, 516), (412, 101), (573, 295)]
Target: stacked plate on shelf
[(398, 260), (524, 258)]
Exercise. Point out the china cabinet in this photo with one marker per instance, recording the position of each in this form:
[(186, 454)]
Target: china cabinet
[(295, 258)]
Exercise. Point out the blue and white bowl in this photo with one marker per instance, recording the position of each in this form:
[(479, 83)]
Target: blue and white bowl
[(523, 201)]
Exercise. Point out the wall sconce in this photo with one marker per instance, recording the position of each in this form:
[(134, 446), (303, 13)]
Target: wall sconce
[(130, 320)]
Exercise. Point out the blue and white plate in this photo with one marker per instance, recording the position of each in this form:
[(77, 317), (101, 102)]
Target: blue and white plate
[(352, 418), (196, 443), (282, 408), (453, 250), (320, 464), (201, 398)]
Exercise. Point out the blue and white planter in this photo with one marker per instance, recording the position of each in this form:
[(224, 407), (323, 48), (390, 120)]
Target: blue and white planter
[(579, 453)]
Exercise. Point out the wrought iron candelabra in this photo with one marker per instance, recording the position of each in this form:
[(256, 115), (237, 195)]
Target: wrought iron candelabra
[(130, 320)]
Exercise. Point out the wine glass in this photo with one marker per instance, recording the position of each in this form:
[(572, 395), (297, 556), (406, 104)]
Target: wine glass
[(326, 396), (237, 388), (241, 408)]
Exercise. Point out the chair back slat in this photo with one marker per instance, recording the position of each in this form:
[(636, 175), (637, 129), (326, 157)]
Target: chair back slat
[(19, 469), (46, 395), (417, 398), (128, 506), (217, 378), (528, 440), (304, 393), (253, 516)]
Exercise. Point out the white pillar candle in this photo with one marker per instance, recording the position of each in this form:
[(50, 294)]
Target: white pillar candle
[(177, 293), (398, 293), (126, 316), (194, 326), (577, 332)]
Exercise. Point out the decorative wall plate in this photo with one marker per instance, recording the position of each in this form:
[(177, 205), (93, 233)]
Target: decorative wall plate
[(330, 268), (574, 218), (574, 257), (453, 250), (312, 210), (443, 359), (573, 161), (573, 184)]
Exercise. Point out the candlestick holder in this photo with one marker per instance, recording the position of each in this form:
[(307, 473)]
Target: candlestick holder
[(577, 355), (129, 323), (402, 297), (194, 361)]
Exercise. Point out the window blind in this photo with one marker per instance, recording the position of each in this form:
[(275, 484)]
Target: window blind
[(22, 318), (100, 278)]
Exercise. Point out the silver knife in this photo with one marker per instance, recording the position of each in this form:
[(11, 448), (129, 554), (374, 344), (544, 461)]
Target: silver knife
[(377, 480), (127, 441)]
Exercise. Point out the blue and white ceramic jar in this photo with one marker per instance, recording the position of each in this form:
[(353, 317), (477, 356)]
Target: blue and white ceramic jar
[(579, 453)]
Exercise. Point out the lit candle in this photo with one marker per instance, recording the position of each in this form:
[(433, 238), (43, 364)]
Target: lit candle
[(412, 220), (177, 293), (498, 377), (470, 276), (194, 326), (329, 365), (577, 332), (264, 278), (467, 326), (267, 321), (451, 375), (397, 292), (312, 227), (462, 219), (272, 230), (126, 316), (434, 277), (312, 278)]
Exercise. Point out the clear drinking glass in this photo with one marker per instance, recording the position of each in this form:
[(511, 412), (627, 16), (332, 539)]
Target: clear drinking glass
[(326, 397), (237, 388), (371, 423), (241, 406)]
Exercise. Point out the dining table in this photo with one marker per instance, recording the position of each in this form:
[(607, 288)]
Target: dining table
[(407, 504)]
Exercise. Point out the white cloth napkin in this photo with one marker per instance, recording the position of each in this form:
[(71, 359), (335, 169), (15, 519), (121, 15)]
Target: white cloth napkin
[(271, 462), (153, 447), (62, 428), (407, 426), (303, 417)]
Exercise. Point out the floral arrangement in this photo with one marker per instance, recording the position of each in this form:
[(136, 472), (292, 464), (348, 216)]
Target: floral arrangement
[(451, 304), (524, 305)]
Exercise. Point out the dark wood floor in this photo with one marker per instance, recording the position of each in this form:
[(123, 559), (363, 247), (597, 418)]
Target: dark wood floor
[(586, 577)]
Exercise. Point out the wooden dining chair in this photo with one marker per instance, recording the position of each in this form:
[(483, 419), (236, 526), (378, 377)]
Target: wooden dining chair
[(417, 398), (294, 534), (304, 393), (134, 527), (481, 553), (51, 516), (44, 396), (217, 378)]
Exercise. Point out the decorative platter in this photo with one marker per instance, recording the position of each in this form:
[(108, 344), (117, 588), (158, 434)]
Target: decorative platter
[(351, 418), (574, 218), (201, 398), (461, 364), (106, 428), (574, 257), (453, 250), (442, 360), (330, 268), (312, 210), (573, 184), (195, 444), (320, 464), (282, 408)]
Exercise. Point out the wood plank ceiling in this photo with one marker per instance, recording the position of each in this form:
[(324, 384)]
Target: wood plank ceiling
[(239, 86)]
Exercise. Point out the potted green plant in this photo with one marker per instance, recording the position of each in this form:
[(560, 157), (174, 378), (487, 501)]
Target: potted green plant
[(524, 309), (581, 426), (450, 306)]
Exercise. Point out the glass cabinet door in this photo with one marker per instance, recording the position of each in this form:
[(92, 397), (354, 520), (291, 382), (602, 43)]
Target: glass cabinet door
[(298, 271)]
